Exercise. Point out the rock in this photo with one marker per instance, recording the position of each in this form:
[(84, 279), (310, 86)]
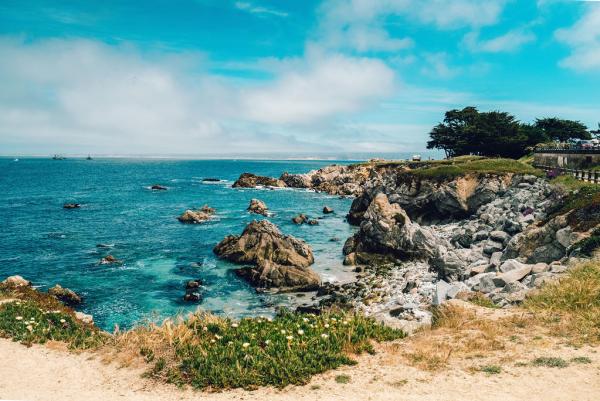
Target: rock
[(500, 236), (441, 290), (564, 236), (313, 222), (487, 283), (510, 264), (71, 206), (512, 275), (192, 297), (540, 268), (327, 210), (300, 219), (558, 269), (480, 236), (258, 207), (157, 187), (84, 317), (65, 295), (16, 281), (455, 289), (109, 259), (193, 284), (448, 263), (279, 261), (496, 259), (492, 246), (248, 180), (387, 230), (197, 216), (350, 259)]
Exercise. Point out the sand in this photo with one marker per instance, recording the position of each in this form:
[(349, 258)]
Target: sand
[(52, 374)]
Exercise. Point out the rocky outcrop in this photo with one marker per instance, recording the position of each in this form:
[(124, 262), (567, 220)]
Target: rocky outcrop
[(388, 231), (432, 200), (197, 216), (258, 207), (304, 219), (109, 259), (277, 261), (65, 295), (334, 179), (249, 180), (327, 210), (71, 206), (16, 281), (157, 187)]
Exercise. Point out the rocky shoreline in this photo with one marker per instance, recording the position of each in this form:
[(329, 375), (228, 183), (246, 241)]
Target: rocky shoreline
[(425, 239)]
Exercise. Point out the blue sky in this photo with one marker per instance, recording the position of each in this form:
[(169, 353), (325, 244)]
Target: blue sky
[(258, 76)]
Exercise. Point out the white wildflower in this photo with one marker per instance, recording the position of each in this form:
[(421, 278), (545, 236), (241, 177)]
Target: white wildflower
[(326, 325), (234, 325), (62, 320), (282, 331), (245, 345), (325, 336), (19, 318), (300, 332), (290, 338)]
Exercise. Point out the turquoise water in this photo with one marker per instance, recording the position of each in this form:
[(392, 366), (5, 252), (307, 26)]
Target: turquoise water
[(47, 244)]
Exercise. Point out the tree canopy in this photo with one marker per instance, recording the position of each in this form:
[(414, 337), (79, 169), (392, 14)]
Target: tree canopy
[(557, 129), (497, 134)]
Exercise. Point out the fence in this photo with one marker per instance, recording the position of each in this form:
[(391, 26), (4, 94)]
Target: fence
[(582, 175)]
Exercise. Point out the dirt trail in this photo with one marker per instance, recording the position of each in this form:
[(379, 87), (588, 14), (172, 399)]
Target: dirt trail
[(43, 373)]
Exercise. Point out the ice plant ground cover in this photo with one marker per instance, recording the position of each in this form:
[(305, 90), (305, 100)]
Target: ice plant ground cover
[(210, 352)]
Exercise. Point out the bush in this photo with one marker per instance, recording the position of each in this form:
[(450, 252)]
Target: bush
[(209, 352), (550, 362)]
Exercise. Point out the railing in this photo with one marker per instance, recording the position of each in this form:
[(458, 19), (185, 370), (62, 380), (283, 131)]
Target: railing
[(582, 175), (594, 150)]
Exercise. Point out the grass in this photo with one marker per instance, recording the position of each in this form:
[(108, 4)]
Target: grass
[(458, 167), (208, 352), (583, 360), (342, 379), (550, 362), (571, 305), (491, 369)]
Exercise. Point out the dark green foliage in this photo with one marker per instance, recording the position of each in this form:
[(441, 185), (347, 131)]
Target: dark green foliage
[(261, 352), (493, 133), (584, 360), (491, 369), (556, 129)]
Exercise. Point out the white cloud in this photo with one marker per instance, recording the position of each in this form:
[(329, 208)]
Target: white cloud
[(326, 85), (361, 24), (437, 66), (509, 42), (584, 40), (85, 96), (249, 7)]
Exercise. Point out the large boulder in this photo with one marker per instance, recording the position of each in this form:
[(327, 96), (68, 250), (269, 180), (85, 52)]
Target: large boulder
[(249, 180), (197, 216), (387, 230), (277, 261)]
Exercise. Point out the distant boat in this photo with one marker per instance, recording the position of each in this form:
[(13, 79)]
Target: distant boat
[(58, 157), (89, 157)]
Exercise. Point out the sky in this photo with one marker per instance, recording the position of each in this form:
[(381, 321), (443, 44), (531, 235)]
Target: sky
[(217, 77)]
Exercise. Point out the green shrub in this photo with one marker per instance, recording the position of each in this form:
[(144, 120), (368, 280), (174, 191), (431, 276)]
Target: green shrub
[(26, 322), (550, 362), (342, 379), (209, 352), (581, 360)]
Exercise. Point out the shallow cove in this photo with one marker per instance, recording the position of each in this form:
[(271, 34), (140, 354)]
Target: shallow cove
[(48, 244)]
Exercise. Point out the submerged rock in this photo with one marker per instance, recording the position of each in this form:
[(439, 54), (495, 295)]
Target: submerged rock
[(259, 207), (71, 206), (197, 216), (157, 187), (65, 295), (327, 210), (278, 261), (109, 259)]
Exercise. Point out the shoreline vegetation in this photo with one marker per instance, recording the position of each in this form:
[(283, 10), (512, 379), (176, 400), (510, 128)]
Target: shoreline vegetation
[(207, 352)]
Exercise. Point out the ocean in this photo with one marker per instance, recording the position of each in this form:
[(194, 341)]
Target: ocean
[(47, 244)]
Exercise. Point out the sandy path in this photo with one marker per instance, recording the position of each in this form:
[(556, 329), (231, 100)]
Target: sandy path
[(42, 373)]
